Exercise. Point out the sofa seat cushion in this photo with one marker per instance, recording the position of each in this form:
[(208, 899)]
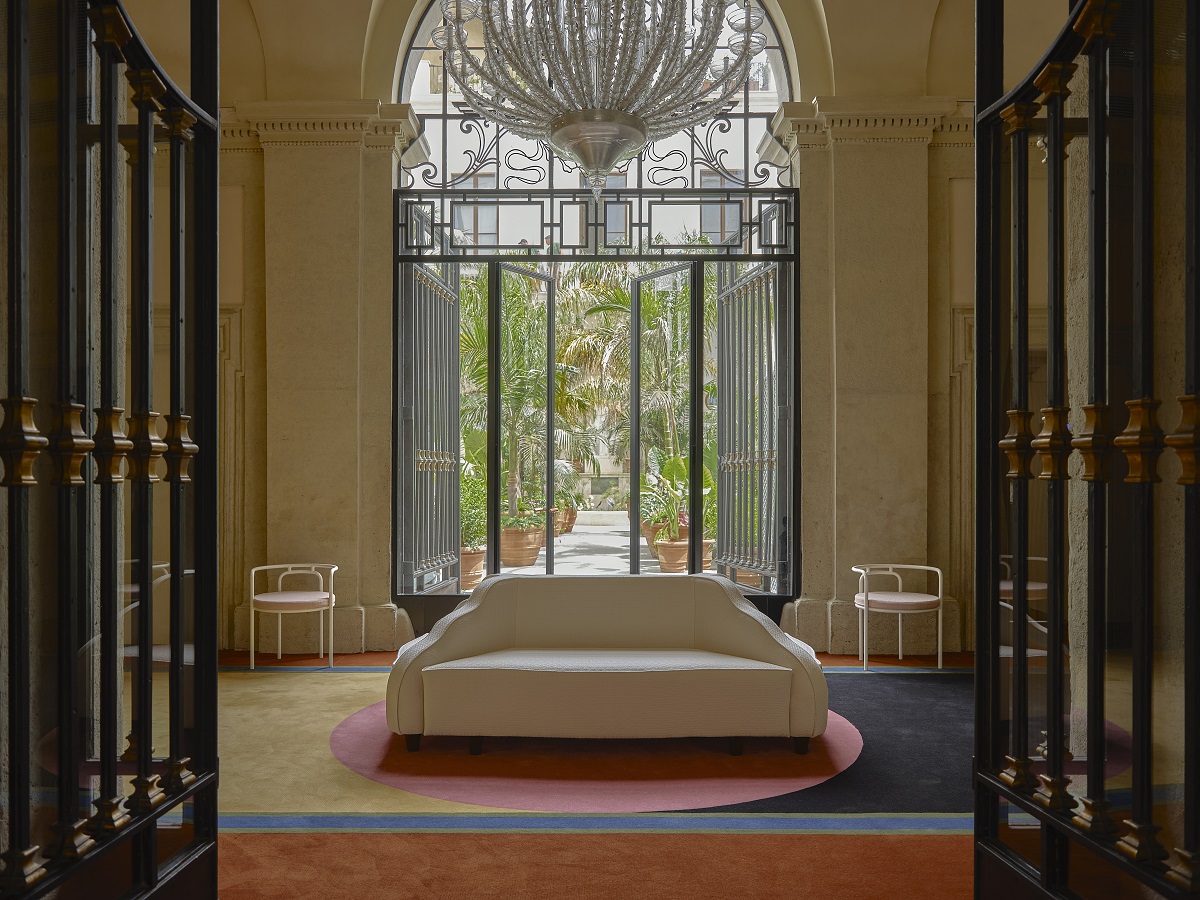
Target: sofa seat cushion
[(559, 692)]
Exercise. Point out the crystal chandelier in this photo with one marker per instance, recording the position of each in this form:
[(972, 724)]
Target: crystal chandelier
[(598, 79)]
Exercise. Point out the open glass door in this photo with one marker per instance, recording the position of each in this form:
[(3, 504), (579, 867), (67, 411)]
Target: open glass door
[(754, 426)]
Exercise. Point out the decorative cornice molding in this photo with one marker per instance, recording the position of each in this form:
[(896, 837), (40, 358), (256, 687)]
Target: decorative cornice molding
[(838, 120), (364, 123)]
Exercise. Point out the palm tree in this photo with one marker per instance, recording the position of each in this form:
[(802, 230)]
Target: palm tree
[(522, 381)]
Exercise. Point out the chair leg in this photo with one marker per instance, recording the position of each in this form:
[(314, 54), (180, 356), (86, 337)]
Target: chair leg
[(412, 742), (866, 642), (331, 637), (939, 637), (860, 634), (279, 635), (252, 614), (475, 746), (735, 746), (900, 634), (320, 633), (800, 745)]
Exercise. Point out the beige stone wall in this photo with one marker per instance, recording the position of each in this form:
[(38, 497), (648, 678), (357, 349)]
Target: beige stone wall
[(886, 210), (884, 234)]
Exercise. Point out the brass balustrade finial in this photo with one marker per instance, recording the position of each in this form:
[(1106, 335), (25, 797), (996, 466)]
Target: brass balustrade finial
[(1141, 441), (20, 441)]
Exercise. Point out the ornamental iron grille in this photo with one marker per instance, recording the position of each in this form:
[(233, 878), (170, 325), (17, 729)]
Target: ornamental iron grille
[(109, 445), (1087, 584), (699, 217)]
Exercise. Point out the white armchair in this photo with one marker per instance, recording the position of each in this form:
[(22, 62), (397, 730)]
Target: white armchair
[(280, 601), (899, 601)]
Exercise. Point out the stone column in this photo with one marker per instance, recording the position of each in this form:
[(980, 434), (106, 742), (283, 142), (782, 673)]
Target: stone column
[(865, 313), (387, 626), (327, 201)]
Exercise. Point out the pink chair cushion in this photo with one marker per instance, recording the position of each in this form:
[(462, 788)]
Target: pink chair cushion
[(897, 601), (1035, 590), (292, 601)]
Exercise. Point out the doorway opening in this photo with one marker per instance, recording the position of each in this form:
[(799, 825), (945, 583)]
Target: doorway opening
[(567, 404)]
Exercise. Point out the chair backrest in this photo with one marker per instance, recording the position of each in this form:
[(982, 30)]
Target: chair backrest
[(322, 573)]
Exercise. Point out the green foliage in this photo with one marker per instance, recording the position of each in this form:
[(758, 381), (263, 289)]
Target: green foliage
[(525, 519), (472, 515)]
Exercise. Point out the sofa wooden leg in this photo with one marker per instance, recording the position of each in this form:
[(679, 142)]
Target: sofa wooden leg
[(800, 744), (735, 746), (412, 742), (475, 745)]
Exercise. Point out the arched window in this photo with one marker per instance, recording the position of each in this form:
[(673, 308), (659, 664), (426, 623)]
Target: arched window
[(460, 147)]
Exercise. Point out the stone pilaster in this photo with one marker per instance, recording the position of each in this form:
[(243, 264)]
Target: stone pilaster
[(327, 182), (865, 309)]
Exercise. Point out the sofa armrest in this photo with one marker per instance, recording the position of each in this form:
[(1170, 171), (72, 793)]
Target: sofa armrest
[(470, 629), (726, 622)]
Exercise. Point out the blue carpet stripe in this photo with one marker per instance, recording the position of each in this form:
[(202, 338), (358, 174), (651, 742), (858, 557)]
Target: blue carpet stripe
[(525, 823), (841, 670)]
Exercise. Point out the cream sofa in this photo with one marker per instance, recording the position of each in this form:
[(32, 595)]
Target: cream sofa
[(617, 656)]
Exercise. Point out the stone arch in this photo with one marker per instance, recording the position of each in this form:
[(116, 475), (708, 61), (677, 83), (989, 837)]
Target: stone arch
[(950, 67), (243, 62), (803, 35)]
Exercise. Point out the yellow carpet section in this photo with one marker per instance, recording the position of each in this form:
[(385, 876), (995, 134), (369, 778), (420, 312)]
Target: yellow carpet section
[(274, 740)]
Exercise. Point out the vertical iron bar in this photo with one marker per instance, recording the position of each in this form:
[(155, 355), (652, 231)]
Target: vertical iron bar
[(696, 416), (110, 442), (1093, 441), (1019, 116), (70, 444), (1053, 446), (743, 426), (180, 447), (724, 401), (1140, 440), (771, 318), (495, 428), (143, 428), (989, 73), (635, 427), (1185, 873), (761, 414), (205, 87), (550, 373), (406, 439), (19, 442)]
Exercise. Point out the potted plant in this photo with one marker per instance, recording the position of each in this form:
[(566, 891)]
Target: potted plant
[(521, 537), (653, 514), (472, 526)]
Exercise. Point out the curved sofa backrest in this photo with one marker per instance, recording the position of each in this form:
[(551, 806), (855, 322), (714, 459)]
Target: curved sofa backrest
[(592, 611)]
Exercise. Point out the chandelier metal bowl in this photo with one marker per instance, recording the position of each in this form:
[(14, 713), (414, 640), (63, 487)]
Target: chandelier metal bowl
[(598, 79)]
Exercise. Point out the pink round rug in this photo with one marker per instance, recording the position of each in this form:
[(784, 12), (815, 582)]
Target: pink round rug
[(591, 776)]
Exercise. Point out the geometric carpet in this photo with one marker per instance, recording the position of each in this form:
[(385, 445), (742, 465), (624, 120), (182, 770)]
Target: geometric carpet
[(592, 775), (297, 823)]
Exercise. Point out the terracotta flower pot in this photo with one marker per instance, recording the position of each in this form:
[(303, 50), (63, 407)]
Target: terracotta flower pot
[(682, 536), (753, 579), (470, 568), (570, 514), (672, 556), (706, 562), (520, 546), (650, 532)]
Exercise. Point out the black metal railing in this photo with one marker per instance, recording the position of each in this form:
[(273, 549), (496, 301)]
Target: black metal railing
[(1091, 100), (96, 599)]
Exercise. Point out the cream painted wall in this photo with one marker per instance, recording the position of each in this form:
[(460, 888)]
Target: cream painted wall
[(885, 282)]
